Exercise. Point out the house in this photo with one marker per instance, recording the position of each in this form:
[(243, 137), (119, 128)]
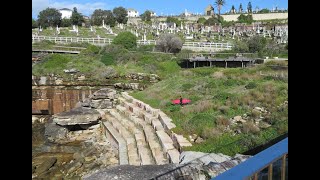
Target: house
[(209, 11), (132, 12), (65, 13)]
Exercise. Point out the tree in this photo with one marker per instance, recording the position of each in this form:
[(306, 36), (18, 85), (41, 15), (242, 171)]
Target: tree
[(97, 17), (249, 7), (240, 47), (264, 10), (65, 22), (126, 39), (211, 21), (49, 17), (169, 43), (233, 9), (245, 18), (219, 4), (146, 16), (201, 20), (34, 24), (120, 14), (173, 20), (256, 44), (110, 19), (76, 18)]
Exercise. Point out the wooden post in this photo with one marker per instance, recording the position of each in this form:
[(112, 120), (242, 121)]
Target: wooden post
[(283, 168), (226, 64), (270, 172), (242, 64), (194, 64), (210, 63)]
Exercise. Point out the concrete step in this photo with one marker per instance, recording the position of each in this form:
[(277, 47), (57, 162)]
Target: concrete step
[(151, 138), (133, 155), (144, 152), (117, 142), (167, 144)]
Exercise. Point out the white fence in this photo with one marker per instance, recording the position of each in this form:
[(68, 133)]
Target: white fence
[(197, 46)]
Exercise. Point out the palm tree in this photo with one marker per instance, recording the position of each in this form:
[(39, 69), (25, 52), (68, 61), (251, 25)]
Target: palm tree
[(219, 4)]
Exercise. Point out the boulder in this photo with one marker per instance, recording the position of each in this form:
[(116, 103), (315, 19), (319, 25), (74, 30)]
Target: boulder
[(55, 133), (199, 140), (79, 115)]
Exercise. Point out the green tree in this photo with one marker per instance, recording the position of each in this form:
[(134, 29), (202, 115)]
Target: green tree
[(219, 4), (34, 24), (201, 20), (241, 47), (173, 20), (256, 44), (110, 19), (213, 20), (76, 18), (65, 22), (249, 7), (126, 39), (146, 16), (264, 10), (49, 17), (97, 17), (245, 18), (120, 14)]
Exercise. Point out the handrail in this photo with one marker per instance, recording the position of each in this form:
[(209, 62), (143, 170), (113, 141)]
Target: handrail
[(255, 164)]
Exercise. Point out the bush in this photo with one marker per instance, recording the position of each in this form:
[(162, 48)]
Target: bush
[(241, 47), (250, 127), (197, 122), (91, 50), (169, 43), (108, 59), (245, 19), (126, 39), (251, 85), (256, 44)]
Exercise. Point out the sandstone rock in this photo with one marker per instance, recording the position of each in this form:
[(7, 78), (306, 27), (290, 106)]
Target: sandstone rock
[(199, 140), (237, 118), (73, 70), (44, 166), (43, 80), (105, 93), (58, 81), (206, 158), (78, 115), (55, 133), (81, 78)]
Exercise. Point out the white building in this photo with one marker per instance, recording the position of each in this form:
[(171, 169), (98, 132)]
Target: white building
[(66, 13), (132, 12)]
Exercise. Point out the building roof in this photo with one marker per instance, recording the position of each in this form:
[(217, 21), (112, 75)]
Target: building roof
[(209, 7), (131, 9), (65, 9)]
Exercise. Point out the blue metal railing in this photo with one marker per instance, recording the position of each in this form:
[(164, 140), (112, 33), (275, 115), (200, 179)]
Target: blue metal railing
[(251, 167)]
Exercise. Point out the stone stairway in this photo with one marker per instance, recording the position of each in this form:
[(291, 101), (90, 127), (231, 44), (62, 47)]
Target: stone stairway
[(145, 130)]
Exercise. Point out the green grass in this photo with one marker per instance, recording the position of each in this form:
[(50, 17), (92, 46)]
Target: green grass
[(217, 94)]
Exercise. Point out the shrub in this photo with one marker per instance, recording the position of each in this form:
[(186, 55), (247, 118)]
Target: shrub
[(126, 39), (256, 44), (107, 59), (251, 85), (241, 47), (222, 121), (91, 50), (210, 132), (169, 43), (250, 127)]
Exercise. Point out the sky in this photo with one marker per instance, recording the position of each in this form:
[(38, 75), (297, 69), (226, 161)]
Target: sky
[(164, 7)]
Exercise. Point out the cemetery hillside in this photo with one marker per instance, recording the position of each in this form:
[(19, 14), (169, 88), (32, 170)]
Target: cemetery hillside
[(103, 91)]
